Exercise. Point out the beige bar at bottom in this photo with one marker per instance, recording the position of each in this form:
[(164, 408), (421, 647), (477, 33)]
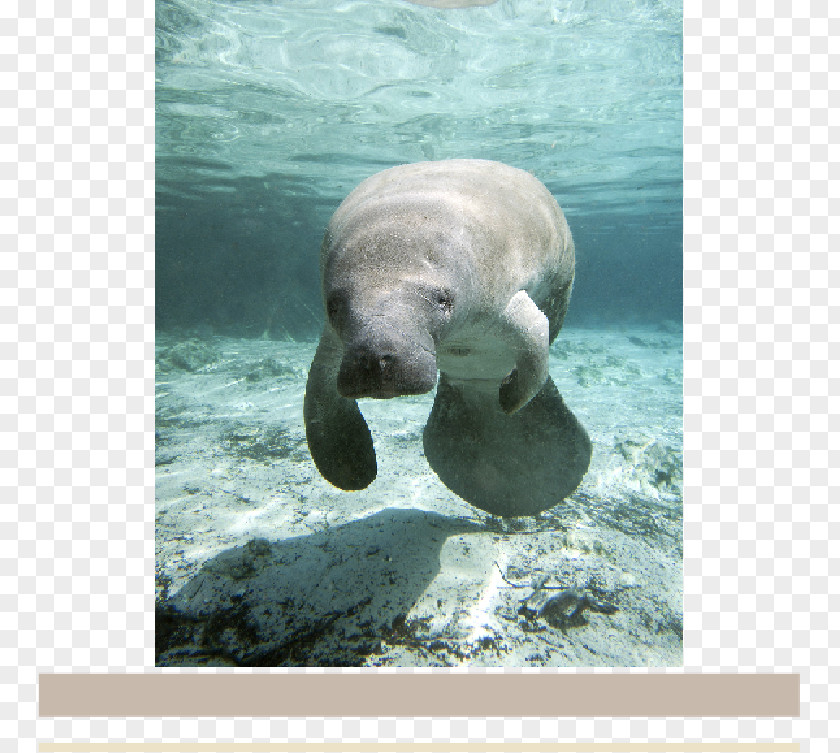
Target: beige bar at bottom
[(290, 694)]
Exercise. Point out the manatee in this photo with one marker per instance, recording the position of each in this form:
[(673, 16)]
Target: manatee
[(463, 268)]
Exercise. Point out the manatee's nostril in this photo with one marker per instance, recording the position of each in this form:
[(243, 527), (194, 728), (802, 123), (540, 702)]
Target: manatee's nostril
[(386, 364), (375, 369)]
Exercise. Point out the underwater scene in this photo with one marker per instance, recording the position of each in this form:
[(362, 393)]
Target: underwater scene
[(418, 348)]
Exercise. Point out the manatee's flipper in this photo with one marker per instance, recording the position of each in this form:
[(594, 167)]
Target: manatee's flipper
[(338, 436), (525, 328), (510, 465)]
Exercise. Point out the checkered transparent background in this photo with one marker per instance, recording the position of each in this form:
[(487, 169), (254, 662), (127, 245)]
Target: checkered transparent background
[(761, 205)]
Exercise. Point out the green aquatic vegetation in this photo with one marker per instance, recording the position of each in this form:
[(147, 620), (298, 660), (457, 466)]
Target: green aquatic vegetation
[(652, 343), (592, 374), (587, 375), (657, 463), (268, 368), (190, 355), (561, 348), (265, 445), (671, 376)]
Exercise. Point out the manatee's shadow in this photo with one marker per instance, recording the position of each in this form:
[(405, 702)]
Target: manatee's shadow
[(325, 599)]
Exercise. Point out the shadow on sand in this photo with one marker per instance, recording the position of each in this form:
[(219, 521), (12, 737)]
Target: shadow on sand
[(325, 599)]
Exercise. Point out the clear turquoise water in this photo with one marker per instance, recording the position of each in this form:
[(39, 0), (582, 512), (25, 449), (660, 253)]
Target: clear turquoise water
[(269, 113)]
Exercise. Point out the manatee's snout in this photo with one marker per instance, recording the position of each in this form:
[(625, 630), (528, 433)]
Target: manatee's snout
[(377, 370)]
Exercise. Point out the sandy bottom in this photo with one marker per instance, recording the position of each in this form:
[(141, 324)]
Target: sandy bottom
[(260, 562)]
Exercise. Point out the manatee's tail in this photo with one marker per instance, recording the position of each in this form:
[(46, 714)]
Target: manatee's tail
[(336, 431), (510, 465)]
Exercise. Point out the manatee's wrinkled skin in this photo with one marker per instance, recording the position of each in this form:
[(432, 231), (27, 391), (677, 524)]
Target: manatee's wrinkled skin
[(463, 267)]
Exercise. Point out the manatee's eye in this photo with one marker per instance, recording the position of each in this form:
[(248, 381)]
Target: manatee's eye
[(444, 301), (440, 302)]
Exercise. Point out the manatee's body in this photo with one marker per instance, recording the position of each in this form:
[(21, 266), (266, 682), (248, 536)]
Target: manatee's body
[(463, 267)]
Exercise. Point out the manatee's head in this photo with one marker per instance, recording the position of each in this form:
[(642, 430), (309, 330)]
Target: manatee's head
[(390, 306), (390, 334)]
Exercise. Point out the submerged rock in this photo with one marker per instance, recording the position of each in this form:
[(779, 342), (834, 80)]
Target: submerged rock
[(563, 609)]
